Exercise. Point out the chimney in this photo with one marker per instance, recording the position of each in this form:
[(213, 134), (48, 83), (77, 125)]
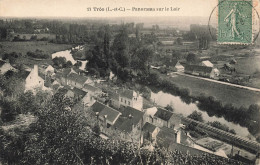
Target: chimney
[(35, 70), (105, 120)]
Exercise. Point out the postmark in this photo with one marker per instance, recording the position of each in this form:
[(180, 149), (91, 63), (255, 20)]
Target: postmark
[(235, 22)]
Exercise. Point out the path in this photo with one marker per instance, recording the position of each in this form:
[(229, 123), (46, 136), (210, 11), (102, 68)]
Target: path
[(220, 82)]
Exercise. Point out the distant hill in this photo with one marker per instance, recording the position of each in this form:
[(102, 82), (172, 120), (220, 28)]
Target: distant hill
[(180, 22)]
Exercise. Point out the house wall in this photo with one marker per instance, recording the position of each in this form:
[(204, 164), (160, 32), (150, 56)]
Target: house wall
[(174, 121), (155, 132), (159, 122), (138, 102), (74, 84), (115, 103), (123, 101), (33, 80)]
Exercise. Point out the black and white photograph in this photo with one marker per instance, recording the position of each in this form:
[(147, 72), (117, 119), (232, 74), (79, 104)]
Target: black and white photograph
[(129, 82)]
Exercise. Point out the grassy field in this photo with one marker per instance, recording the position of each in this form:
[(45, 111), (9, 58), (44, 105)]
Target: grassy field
[(227, 94), (24, 47)]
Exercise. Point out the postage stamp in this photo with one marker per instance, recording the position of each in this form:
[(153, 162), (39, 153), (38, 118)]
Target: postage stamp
[(235, 22)]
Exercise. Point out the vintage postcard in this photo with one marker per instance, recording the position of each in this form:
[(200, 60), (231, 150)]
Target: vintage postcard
[(130, 82)]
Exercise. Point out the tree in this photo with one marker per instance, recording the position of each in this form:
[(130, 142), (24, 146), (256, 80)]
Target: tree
[(192, 58), (195, 115), (96, 129), (68, 64), (59, 62), (121, 48)]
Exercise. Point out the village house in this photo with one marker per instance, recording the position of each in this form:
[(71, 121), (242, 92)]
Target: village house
[(106, 116), (168, 138), (162, 118), (61, 77), (150, 132), (130, 98), (78, 81), (5, 66), (34, 81), (129, 125), (92, 90), (49, 70), (207, 63), (114, 99), (174, 65), (202, 71)]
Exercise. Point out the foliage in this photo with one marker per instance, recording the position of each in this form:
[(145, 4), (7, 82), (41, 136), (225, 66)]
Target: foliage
[(59, 62), (195, 115), (38, 54), (223, 127), (192, 58)]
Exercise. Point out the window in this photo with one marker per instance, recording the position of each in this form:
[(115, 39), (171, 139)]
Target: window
[(121, 99), (128, 102), (125, 101)]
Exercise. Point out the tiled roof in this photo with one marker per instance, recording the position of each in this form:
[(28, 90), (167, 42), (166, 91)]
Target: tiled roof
[(165, 137), (78, 78), (197, 68), (97, 107), (91, 88), (163, 114), (171, 63), (127, 93), (79, 92), (111, 113), (129, 117), (113, 95), (149, 127)]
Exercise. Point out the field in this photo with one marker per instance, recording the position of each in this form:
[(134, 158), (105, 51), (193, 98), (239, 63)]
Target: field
[(24, 47), (227, 94)]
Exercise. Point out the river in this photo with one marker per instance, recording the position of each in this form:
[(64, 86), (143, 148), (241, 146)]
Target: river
[(67, 54), (163, 99)]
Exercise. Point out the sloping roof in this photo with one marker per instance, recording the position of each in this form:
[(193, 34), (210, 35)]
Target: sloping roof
[(149, 127), (151, 111), (24, 74), (91, 88), (111, 113), (97, 107), (165, 137), (127, 93), (113, 95), (77, 78), (197, 68), (79, 92), (49, 68), (163, 114), (63, 90), (130, 116), (207, 63), (172, 63), (2, 63), (103, 110)]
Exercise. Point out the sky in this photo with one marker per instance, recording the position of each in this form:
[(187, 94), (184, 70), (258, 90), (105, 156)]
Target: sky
[(78, 8)]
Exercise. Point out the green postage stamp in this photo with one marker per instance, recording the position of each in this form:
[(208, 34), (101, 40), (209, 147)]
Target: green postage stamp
[(235, 22)]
